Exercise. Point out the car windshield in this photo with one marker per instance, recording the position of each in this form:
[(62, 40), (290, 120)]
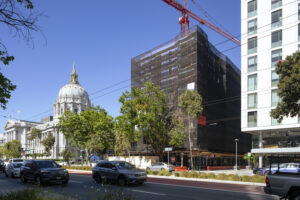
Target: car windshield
[(17, 165), (125, 165), (46, 164)]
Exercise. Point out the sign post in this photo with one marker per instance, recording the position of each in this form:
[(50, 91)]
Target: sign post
[(168, 149)]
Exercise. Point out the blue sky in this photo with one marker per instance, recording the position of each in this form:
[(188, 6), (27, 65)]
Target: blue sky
[(101, 37)]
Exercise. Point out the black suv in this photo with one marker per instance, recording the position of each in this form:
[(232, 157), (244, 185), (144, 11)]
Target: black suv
[(43, 171), (118, 171)]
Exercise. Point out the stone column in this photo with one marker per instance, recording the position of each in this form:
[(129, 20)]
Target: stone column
[(260, 145)]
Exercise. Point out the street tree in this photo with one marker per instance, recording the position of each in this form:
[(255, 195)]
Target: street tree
[(1, 152), (145, 114), (48, 143), (190, 103), (12, 149), (19, 18), (91, 129), (122, 144), (67, 155), (288, 87), (34, 136)]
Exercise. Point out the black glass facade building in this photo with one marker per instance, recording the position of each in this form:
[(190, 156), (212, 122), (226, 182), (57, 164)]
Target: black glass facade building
[(190, 61)]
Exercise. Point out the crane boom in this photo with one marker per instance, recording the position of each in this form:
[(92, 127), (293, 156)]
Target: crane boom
[(185, 22)]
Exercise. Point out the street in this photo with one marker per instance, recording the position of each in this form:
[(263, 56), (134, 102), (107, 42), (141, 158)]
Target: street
[(83, 187)]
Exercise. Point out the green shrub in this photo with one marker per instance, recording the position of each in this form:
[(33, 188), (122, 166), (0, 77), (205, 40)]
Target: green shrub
[(177, 174), (164, 173), (221, 176), (184, 174), (236, 178), (246, 178), (202, 175), (210, 176), (155, 172), (193, 174)]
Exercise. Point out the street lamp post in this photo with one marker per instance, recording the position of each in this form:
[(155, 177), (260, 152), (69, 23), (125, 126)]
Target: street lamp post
[(236, 148)]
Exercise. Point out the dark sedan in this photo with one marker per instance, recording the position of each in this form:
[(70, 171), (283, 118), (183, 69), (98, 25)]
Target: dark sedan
[(43, 171)]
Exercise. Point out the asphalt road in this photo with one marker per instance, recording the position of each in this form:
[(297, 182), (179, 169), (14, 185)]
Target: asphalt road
[(83, 187)]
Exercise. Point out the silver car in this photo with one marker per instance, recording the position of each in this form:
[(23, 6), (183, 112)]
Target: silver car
[(118, 171), (13, 169), (161, 166)]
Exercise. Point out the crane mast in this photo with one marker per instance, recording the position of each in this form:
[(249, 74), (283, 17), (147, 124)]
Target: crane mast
[(184, 20)]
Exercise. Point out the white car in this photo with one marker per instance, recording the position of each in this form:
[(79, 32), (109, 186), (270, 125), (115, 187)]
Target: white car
[(13, 169), (160, 166), (63, 163)]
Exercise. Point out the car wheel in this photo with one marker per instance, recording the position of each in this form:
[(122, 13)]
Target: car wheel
[(23, 179), (121, 181), (148, 169), (12, 175), (6, 174), (38, 181), (295, 195), (162, 169), (97, 178), (267, 173)]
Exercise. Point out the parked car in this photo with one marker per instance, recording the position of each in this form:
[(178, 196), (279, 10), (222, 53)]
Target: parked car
[(13, 169), (274, 167), (43, 171), (118, 171), (13, 160), (63, 163), (2, 166), (160, 166)]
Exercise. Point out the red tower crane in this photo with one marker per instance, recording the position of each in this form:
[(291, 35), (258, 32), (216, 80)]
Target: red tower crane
[(184, 20)]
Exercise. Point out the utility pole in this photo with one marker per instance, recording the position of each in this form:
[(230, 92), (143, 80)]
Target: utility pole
[(236, 148)]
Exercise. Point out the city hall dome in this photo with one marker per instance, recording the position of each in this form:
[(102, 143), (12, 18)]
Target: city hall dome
[(72, 97)]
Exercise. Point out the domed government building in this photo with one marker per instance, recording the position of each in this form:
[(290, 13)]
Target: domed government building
[(72, 97)]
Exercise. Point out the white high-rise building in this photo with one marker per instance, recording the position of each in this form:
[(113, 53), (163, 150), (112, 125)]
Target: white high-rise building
[(270, 30)]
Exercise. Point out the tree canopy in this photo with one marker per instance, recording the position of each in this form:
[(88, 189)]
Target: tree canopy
[(288, 87), (21, 21), (190, 103), (48, 143), (145, 114), (91, 129), (12, 149)]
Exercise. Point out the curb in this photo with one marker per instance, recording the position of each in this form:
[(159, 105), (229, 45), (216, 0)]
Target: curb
[(207, 180), (71, 171)]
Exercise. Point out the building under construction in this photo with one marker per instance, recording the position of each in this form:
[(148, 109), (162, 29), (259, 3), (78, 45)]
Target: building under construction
[(190, 61)]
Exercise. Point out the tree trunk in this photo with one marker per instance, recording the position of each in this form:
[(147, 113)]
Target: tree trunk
[(190, 142)]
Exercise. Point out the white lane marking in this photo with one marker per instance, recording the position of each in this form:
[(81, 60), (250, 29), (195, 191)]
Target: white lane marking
[(142, 191), (211, 189), (72, 181)]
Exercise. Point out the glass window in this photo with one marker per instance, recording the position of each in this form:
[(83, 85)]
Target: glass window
[(252, 27), (252, 119), (276, 3), (252, 64), (252, 8), (298, 32), (252, 101), (276, 38), (252, 45), (274, 121), (252, 82), (276, 56), (298, 11), (275, 98), (275, 79), (276, 19)]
